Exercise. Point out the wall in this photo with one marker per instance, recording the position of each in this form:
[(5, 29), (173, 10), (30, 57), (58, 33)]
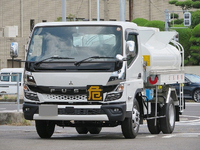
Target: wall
[(192, 70)]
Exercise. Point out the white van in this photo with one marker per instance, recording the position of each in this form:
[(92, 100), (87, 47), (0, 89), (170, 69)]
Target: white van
[(8, 76)]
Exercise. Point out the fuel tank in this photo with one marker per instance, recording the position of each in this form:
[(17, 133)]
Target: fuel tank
[(158, 53)]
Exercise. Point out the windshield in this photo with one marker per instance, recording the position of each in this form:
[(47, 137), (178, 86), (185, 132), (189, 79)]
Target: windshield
[(193, 78), (75, 42)]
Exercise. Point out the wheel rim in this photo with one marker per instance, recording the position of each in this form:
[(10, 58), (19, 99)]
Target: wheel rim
[(171, 115), (136, 118), (197, 96)]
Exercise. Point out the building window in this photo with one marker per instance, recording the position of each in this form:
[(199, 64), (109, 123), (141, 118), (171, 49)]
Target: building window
[(32, 23)]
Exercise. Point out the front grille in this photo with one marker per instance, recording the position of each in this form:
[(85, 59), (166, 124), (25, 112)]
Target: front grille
[(64, 111), (66, 97)]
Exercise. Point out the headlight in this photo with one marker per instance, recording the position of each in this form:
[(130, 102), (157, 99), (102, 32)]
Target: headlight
[(30, 95), (116, 94), (29, 79)]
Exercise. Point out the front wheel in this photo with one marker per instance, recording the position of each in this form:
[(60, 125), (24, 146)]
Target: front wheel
[(196, 95), (130, 126), (45, 129), (167, 123)]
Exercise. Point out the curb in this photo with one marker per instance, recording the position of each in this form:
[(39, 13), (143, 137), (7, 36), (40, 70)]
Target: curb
[(11, 118), (21, 101)]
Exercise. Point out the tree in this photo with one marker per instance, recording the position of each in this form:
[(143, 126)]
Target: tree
[(195, 46), (187, 4), (195, 18), (184, 36)]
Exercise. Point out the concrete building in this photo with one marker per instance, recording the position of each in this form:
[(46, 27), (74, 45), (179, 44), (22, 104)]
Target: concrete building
[(17, 17)]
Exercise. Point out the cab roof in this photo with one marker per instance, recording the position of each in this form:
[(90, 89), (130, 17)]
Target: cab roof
[(120, 23)]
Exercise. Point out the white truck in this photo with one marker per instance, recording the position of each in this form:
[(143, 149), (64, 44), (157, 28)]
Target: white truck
[(90, 75)]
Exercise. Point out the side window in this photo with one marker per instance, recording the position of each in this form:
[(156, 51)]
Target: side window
[(5, 77), (14, 77), (132, 37)]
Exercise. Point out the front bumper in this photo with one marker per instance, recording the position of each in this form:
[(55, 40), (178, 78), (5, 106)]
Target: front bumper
[(108, 112)]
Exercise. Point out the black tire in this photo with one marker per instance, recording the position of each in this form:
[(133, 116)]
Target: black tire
[(82, 130), (130, 126), (94, 130), (167, 123), (45, 129), (196, 95), (153, 128)]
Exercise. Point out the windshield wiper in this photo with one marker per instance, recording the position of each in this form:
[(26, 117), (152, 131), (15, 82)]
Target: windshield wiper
[(53, 57), (77, 63)]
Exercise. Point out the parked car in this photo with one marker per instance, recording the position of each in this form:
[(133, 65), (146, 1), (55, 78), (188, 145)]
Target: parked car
[(191, 88), (8, 78)]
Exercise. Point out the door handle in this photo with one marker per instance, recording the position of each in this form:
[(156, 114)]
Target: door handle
[(139, 76)]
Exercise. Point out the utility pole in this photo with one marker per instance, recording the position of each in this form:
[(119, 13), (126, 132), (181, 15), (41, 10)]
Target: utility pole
[(150, 10), (89, 15), (130, 10), (63, 10), (167, 16), (122, 10), (98, 17), (106, 10)]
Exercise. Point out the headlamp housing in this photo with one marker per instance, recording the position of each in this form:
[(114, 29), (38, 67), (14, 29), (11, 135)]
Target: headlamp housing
[(116, 94)]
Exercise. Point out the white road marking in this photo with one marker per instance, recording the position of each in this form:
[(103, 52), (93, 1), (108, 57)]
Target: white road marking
[(195, 121), (151, 136), (188, 135), (169, 136)]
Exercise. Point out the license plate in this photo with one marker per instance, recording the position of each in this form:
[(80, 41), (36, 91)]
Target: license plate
[(48, 110), (95, 93)]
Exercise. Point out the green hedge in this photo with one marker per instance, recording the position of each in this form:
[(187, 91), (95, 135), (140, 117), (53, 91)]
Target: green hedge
[(177, 21), (157, 24), (140, 21)]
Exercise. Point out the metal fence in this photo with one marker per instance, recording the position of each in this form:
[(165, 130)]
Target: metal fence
[(17, 84)]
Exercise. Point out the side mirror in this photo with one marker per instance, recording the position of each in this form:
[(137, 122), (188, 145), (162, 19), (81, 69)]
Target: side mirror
[(14, 49), (187, 83), (130, 48), (120, 57)]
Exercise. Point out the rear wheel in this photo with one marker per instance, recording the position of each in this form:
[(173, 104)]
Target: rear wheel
[(154, 128), (45, 129), (154, 124), (82, 130), (130, 126), (196, 95), (94, 130), (167, 123)]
